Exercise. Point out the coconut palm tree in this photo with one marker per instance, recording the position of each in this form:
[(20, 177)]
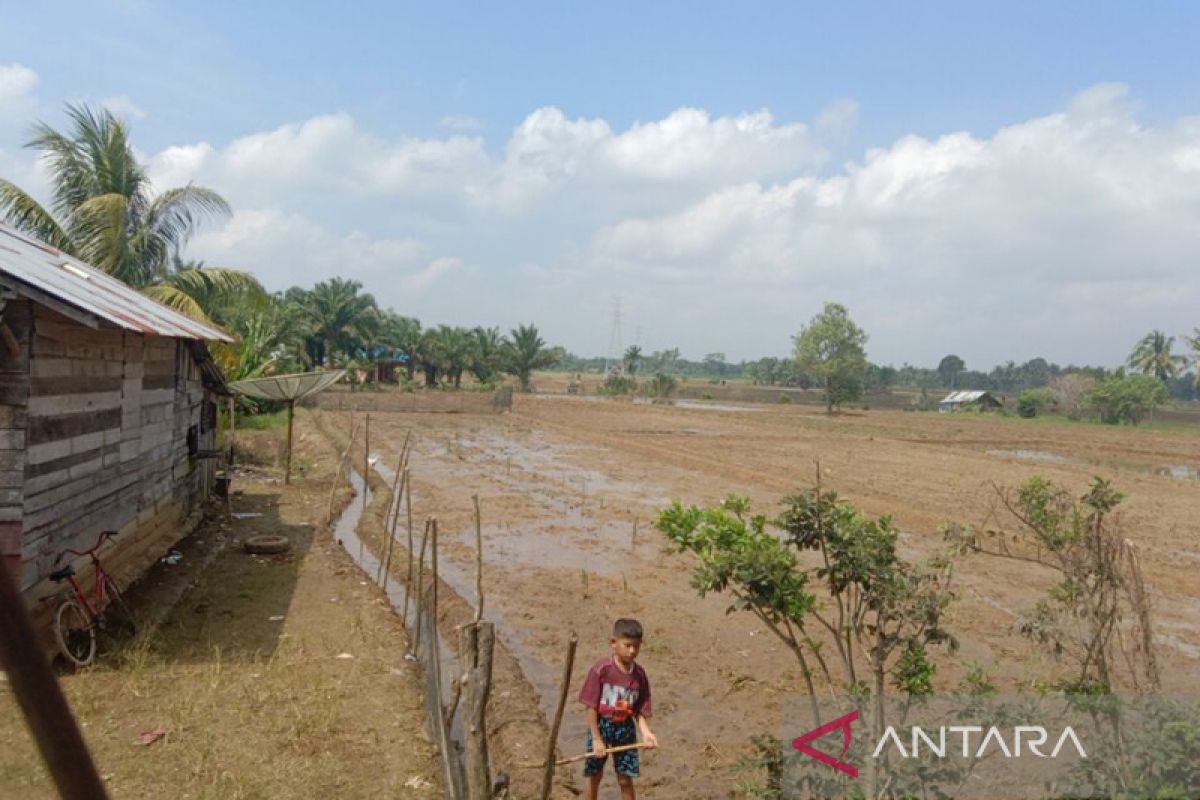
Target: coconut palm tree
[(524, 352), (1153, 356), (105, 212)]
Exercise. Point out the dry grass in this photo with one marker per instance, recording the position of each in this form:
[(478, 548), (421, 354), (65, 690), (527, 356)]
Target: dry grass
[(253, 707)]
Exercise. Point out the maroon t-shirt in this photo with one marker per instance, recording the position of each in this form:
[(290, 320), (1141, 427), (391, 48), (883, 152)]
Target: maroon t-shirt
[(607, 684)]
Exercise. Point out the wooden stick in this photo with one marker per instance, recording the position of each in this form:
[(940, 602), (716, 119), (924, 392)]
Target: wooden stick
[(433, 563), (574, 759), (287, 468), (408, 505), (568, 665), (393, 502), (385, 566), (417, 589), (341, 465), (366, 459), (478, 560)]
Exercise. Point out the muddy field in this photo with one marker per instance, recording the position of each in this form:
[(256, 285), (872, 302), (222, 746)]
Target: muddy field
[(570, 487)]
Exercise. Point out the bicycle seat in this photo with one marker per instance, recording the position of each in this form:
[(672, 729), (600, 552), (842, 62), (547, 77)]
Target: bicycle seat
[(64, 572)]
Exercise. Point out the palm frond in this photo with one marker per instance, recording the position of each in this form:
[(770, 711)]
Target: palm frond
[(174, 214), (98, 228), (73, 183), (180, 301), (215, 281), (27, 215)]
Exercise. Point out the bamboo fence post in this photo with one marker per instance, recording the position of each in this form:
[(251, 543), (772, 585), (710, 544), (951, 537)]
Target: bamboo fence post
[(568, 665), (476, 643)]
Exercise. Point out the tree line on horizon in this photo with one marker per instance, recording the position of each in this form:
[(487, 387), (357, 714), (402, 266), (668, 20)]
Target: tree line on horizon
[(104, 211)]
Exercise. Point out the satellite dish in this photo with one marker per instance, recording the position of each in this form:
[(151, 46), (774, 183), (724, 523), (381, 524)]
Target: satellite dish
[(288, 389)]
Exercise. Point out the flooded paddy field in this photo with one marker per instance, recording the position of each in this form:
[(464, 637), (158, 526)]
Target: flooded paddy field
[(569, 492)]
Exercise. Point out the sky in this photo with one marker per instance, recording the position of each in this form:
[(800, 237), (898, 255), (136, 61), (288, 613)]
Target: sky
[(998, 181)]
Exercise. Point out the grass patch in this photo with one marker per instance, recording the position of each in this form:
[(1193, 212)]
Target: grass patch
[(264, 422)]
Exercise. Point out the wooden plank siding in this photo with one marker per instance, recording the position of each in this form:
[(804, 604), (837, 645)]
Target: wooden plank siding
[(103, 445)]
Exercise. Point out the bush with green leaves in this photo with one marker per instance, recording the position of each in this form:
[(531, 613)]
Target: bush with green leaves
[(1127, 399), (616, 385), (1032, 402), (861, 622), (662, 385)]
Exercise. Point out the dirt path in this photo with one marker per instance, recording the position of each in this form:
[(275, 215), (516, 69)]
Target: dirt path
[(563, 483), (277, 676)]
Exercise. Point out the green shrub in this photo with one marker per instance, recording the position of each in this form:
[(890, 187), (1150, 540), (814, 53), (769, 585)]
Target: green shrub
[(1032, 402)]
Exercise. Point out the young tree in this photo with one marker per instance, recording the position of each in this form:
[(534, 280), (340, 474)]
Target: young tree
[(883, 612), (1129, 399), (831, 349), (948, 369), (1097, 616), (524, 352), (1072, 392), (633, 359)]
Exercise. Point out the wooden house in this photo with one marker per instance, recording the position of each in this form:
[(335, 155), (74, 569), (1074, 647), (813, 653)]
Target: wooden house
[(108, 415), (974, 400)]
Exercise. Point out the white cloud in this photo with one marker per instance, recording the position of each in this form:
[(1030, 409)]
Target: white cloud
[(1037, 233), (461, 122), (1067, 235), (16, 82), (122, 106)]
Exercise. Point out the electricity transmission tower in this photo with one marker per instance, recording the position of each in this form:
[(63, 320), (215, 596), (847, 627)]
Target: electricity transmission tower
[(615, 351)]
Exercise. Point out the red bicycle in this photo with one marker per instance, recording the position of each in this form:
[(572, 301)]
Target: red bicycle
[(79, 617)]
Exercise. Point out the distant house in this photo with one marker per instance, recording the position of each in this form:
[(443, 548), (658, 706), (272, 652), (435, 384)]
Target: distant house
[(956, 401), (108, 415)]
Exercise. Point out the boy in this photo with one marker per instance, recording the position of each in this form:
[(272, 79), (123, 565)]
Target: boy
[(617, 695)]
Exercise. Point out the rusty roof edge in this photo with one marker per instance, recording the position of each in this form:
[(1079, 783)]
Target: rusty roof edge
[(144, 315)]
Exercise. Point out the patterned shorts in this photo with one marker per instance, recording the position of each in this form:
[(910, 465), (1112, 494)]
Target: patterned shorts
[(614, 734)]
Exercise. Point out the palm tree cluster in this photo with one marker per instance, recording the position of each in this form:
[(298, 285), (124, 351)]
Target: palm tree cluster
[(104, 211), (336, 324)]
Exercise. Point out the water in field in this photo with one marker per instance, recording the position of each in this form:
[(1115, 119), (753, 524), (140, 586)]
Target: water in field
[(1031, 455), (1181, 471)]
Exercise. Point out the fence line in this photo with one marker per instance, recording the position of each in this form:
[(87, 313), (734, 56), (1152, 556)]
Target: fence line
[(435, 402)]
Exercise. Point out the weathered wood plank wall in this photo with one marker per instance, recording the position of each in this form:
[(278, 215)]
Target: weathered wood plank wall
[(107, 444)]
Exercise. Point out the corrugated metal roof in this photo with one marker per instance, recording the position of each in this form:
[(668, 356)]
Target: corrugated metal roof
[(46, 269), (963, 397)]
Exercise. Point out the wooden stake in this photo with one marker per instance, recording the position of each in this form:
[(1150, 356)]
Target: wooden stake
[(419, 587), (366, 460), (568, 665), (341, 465), (385, 567), (478, 560), (475, 646), (409, 586)]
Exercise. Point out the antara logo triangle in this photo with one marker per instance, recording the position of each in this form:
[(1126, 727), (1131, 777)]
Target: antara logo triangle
[(801, 743)]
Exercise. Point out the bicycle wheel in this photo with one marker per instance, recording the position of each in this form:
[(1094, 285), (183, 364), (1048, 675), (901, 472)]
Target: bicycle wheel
[(118, 619), (75, 632)]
